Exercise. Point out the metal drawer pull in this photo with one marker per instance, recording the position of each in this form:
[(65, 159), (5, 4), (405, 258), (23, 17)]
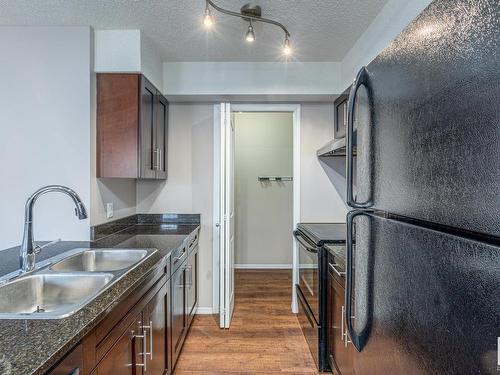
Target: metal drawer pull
[(342, 325), (150, 339), (332, 266), (160, 164), (144, 353), (154, 160)]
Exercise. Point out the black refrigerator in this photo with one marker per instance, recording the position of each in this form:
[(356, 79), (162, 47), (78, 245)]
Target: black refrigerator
[(423, 267)]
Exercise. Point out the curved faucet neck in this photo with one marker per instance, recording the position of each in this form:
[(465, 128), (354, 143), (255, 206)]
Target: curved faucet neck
[(27, 252)]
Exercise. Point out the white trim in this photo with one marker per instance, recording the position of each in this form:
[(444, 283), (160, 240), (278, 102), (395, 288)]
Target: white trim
[(297, 117), (204, 311), (254, 107), (263, 266), (216, 208)]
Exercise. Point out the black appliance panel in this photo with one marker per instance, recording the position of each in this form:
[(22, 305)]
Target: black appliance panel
[(322, 233), (427, 299), (312, 297), (433, 97), (309, 274), (309, 326)]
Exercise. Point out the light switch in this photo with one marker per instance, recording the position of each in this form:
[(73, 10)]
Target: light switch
[(109, 210)]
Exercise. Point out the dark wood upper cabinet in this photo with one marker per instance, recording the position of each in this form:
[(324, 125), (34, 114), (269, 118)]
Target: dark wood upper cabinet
[(132, 127)]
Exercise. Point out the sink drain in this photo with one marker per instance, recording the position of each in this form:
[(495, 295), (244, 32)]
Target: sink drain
[(39, 310)]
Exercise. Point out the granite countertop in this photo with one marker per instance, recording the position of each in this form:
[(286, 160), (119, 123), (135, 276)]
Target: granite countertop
[(339, 254), (33, 346)]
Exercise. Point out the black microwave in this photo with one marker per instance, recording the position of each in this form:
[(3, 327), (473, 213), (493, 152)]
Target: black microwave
[(340, 114)]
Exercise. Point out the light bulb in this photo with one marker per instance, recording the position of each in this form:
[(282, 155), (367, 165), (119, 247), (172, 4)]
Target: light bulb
[(287, 49), (207, 19), (250, 36)]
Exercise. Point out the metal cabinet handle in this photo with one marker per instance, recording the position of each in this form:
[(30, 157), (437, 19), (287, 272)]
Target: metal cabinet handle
[(189, 270), (160, 164), (154, 159), (144, 352), (359, 340), (334, 269), (150, 339), (342, 324), (361, 79)]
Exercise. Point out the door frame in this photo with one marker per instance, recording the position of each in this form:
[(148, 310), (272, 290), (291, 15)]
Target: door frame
[(295, 109)]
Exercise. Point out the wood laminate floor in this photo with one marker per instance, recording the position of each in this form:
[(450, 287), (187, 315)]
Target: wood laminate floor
[(264, 338)]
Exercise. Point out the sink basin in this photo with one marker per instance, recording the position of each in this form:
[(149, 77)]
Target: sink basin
[(100, 260), (49, 296)]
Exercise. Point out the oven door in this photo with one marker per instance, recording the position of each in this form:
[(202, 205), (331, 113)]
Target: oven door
[(309, 327), (309, 273)]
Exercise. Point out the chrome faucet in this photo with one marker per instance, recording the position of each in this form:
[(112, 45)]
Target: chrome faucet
[(28, 247)]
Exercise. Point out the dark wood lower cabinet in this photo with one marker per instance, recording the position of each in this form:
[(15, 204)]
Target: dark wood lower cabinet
[(144, 333), (184, 284), (340, 354), (156, 328), (123, 358), (72, 364), (179, 322), (191, 285)]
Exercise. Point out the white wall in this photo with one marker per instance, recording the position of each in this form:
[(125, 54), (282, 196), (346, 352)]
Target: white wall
[(151, 62), (120, 51), (44, 128), (263, 210), (391, 20), (320, 202), (117, 50), (190, 166), (188, 188), (247, 78), (128, 51)]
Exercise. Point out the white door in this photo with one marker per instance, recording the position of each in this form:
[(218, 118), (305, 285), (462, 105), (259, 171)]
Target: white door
[(226, 254)]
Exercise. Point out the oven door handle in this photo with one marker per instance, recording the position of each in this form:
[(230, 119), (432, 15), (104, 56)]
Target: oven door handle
[(303, 242)]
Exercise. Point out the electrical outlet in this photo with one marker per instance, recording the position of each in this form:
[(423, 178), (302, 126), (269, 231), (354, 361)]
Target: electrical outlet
[(109, 210)]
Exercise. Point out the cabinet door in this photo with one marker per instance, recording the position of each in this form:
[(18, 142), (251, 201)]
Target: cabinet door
[(156, 317), (191, 285), (124, 357), (71, 365), (161, 141), (341, 357), (147, 152), (178, 311)]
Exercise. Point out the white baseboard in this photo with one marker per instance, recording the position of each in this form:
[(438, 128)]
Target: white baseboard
[(263, 266), (204, 311)]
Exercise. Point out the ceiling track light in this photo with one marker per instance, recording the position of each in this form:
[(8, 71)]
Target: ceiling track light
[(207, 18), (250, 36), (248, 13)]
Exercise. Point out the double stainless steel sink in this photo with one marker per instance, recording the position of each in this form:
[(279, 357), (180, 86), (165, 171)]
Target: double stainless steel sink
[(63, 285)]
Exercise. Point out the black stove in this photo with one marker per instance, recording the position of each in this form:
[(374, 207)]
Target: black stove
[(312, 283), (323, 233)]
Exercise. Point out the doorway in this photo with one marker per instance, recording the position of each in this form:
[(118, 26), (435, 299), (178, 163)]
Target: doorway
[(231, 249)]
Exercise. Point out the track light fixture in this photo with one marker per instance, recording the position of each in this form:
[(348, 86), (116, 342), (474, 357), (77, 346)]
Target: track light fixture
[(250, 37), (207, 19), (248, 13)]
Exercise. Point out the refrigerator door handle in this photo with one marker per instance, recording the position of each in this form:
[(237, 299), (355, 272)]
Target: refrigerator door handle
[(361, 79), (359, 340)]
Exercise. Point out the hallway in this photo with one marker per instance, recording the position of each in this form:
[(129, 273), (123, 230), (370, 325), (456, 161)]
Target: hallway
[(264, 338)]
